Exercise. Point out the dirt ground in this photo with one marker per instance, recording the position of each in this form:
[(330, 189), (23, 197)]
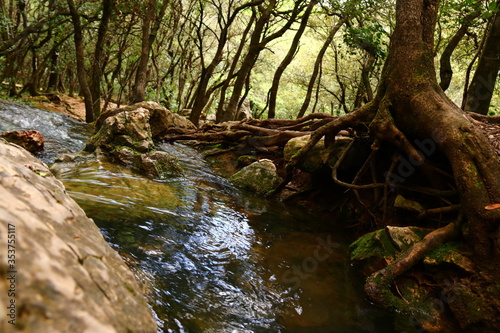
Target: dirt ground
[(72, 106)]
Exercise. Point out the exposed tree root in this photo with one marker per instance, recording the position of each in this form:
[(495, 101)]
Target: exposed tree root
[(378, 285)]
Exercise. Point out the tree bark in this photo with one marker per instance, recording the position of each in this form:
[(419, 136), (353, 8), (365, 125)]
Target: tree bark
[(150, 27), (202, 94), (317, 63), (97, 68), (273, 92), (421, 110), (445, 70), (482, 86), (232, 69), (257, 43), (410, 104), (80, 62)]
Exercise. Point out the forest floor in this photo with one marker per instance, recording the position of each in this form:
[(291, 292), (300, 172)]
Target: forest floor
[(73, 106)]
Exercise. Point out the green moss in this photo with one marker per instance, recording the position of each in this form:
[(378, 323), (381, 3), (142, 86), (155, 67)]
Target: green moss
[(374, 244), (444, 251), (475, 304)]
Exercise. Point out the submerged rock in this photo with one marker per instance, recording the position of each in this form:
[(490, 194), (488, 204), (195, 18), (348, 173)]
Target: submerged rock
[(64, 277), (32, 141), (260, 176)]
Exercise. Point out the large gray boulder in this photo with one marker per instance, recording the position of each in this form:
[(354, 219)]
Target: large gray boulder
[(58, 273)]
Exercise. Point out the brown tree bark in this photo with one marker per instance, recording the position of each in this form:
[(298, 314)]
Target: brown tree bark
[(232, 69), (317, 63), (273, 92), (258, 42), (202, 94), (97, 67), (80, 62), (445, 70), (150, 27), (410, 104)]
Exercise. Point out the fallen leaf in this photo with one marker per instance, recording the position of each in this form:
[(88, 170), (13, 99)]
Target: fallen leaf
[(493, 206)]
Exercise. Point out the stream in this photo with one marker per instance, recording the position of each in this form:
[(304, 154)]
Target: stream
[(211, 257)]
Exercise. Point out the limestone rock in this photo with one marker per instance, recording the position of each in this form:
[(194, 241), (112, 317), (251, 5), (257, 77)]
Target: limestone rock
[(162, 121), (260, 176), (404, 237), (32, 141), (128, 129), (156, 164), (450, 254), (373, 251), (67, 278), (125, 138)]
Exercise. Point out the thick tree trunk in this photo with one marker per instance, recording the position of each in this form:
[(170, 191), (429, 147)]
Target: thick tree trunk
[(483, 83), (411, 105), (421, 110)]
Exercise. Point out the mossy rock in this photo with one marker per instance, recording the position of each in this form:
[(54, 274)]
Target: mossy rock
[(450, 253), (313, 162), (260, 177), (404, 237), (373, 251)]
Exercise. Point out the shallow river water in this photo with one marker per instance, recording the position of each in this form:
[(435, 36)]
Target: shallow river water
[(210, 257)]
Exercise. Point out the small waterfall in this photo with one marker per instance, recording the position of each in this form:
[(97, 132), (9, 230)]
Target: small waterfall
[(62, 133)]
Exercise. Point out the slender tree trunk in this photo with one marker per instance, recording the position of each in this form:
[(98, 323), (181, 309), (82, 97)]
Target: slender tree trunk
[(202, 94), (97, 68), (232, 69), (273, 92), (255, 47), (80, 62), (317, 63), (445, 70), (365, 92), (257, 43), (483, 83), (150, 27)]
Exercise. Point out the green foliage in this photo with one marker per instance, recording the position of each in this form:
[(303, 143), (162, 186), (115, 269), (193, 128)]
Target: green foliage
[(187, 42), (370, 38)]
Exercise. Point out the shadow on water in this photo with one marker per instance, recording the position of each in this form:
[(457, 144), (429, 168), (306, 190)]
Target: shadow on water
[(212, 258)]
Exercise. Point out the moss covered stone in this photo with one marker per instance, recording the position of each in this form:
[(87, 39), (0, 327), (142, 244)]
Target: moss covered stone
[(313, 162), (260, 177)]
